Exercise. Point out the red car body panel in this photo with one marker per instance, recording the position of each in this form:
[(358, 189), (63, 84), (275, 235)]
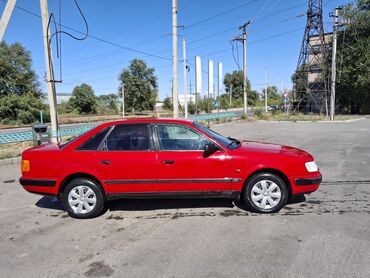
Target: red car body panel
[(144, 171)]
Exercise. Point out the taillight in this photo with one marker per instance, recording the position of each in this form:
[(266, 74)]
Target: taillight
[(25, 165)]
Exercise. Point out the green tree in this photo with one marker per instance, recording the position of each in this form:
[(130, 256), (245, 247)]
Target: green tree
[(273, 96), (224, 101), (83, 100), (353, 59), (16, 73), (23, 109), (20, 95), (234, 82), (191, 107), (108, 101), (167, 103), (140, 84)]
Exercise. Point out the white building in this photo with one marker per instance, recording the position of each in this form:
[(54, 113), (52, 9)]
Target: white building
[(190, 98)]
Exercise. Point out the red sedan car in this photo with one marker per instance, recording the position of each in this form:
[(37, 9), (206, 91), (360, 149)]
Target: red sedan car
[(151, 158)]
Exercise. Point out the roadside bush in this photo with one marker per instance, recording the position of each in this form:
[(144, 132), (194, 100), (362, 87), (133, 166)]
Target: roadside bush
[(276, 112), (258, 112), (23, 109)]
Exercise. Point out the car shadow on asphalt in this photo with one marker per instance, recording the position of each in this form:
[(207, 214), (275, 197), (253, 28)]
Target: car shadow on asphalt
[(49, 202), (157, 204)]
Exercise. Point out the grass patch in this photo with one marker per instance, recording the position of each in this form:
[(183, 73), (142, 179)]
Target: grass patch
[(13, 149)]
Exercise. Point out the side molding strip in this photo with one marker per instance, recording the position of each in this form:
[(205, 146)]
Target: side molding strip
[(215, 180)]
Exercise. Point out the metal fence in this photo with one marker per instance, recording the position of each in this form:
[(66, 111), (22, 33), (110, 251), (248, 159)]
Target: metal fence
[(213, 116), (18, 137)]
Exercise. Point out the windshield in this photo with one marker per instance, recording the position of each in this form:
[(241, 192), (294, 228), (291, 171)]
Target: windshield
[(228, 142)]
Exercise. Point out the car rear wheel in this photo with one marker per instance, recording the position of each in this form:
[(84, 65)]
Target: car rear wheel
[(83, 198), (265, 193)]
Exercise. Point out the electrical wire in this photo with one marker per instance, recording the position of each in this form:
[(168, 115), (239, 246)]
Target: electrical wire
[(219, 14), (98, 38)]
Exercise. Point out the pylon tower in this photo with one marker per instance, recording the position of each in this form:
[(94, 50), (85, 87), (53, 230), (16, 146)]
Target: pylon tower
[(310, 79)]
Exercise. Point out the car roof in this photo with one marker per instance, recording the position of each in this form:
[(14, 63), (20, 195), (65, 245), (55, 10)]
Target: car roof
[(149, 120)]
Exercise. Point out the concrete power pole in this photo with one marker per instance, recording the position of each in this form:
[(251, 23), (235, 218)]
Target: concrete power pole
[(50, 83), (185, 89), (175, 97), (7, 13), (333, 65), (231, 93), (265, 90), (123, 100), (245, 97)]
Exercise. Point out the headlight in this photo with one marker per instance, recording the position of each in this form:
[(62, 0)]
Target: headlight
[(311, 166)]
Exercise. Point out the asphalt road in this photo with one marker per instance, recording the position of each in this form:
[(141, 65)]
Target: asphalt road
[(326, 235)]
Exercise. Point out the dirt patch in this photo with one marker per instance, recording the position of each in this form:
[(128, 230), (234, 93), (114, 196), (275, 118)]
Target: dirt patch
[(84, 259), (115, 217), (99, 269)]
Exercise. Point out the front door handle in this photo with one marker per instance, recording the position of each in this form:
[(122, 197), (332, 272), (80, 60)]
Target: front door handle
[(106, 162), (168, 161)]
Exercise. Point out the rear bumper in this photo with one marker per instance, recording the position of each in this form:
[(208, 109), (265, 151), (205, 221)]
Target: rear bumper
[(40, 186), (32, 182)]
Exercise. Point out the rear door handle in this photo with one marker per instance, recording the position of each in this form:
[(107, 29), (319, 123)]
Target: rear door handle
[(106, 162), (168, 161)]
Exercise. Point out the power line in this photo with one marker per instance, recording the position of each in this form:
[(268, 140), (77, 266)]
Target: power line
[(97, 38), (219, 14)]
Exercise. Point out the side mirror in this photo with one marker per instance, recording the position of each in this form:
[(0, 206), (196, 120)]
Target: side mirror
[(210, 148)]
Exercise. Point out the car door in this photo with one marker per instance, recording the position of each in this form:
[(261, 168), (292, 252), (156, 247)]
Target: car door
[(128, 161), (181, 157)]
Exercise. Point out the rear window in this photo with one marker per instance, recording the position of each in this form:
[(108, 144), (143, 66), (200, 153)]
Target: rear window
[(94, 141), (128, 137)]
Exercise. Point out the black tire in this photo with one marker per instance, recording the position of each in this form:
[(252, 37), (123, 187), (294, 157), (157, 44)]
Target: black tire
[(87, 184), (255, 181)]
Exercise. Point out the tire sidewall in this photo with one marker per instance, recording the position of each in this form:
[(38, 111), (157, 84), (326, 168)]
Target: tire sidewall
[(100, 199), (247, 194)]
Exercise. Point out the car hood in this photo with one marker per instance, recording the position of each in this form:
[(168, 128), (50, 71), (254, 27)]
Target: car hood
[(268, 148)]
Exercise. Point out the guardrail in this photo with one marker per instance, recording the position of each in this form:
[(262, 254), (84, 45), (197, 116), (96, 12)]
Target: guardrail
[(18, 137), (205, 117)]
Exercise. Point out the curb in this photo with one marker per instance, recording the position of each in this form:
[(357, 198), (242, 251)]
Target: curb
[(10, 161)]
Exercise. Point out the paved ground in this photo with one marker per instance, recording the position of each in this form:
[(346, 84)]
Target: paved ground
[(326, 235)]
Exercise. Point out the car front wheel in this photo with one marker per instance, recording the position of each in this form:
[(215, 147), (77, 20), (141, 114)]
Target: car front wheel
[(83, 198), (265, 193)]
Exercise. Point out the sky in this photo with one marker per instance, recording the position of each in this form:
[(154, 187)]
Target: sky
[(122, 30)]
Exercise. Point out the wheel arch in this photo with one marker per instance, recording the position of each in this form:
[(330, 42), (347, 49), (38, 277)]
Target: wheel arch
[(74, 176), (273, 171)]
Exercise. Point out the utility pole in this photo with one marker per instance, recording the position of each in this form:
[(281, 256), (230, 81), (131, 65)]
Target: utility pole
[(123, 100), (244, 39), (7, 13), (231, 93), (333, 64), (175, 97), (265, 90), (50, 82), (185, 68)]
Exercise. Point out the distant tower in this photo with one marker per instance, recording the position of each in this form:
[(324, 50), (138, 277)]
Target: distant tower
[(310, 78)]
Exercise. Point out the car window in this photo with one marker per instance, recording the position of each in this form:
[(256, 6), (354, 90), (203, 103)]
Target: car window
[(128, 137), (176, 137), (94, 141)]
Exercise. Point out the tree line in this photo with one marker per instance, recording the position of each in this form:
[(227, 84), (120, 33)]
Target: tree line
[(21, 99)]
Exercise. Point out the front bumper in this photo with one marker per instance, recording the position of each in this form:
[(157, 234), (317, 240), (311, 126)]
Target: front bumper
[(306, 184), (308, 181)]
